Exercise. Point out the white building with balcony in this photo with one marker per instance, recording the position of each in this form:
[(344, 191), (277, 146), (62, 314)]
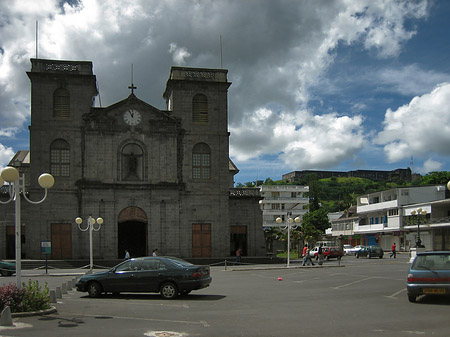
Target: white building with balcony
[(383, 218), (281, 201)]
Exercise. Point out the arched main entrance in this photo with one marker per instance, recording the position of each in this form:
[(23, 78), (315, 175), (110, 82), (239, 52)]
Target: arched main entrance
[(132, 232)]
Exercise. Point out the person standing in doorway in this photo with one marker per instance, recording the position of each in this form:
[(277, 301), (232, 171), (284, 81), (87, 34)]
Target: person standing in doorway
[(238, 255), (393, 252)]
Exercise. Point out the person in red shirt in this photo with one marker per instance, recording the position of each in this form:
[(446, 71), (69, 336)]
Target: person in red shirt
[(306, 256), (393, 252)]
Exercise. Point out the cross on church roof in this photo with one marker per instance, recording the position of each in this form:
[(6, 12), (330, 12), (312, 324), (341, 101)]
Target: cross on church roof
[(132, 87)]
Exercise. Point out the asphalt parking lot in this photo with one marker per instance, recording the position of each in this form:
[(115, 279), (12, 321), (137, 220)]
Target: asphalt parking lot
[(361, 297)]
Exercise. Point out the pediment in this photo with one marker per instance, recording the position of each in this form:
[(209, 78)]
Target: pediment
[(113, 114)]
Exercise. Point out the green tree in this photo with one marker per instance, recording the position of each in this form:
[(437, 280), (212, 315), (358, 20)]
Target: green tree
[(317, 219), (434, 178), (314, 191)]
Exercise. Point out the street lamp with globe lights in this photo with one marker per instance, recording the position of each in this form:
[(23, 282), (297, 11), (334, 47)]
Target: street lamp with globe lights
[(418, 214), (90, 226), (289, 222), (16, 183)]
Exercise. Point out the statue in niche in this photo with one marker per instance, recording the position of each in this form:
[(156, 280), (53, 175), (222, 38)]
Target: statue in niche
[(132, 163)]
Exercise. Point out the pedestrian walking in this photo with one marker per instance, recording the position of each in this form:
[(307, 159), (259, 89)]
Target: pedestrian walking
[(393, 252), (155, 252), (306, 256), (320, 255), (127, 254)]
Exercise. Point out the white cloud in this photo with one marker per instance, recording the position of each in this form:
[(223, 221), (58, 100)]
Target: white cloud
[(277, 53), (6, 154), (179, 54), (420, 128), (303, 140), (407, 80), (430, 165)]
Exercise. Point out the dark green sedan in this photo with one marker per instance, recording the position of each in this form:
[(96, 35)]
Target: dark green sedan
[(7, 268), (370, 251), (169, 276)]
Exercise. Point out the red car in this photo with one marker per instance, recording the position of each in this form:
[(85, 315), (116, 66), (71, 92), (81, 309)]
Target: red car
[(328, 252)]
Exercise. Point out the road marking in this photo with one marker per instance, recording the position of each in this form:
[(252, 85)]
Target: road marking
[(395, 294), (204, 323), (134, 302), (349, 284)]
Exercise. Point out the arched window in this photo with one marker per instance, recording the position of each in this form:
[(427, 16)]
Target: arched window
[(60, 158), (200, 109), (201, 161), (132, 162), (61, 103)]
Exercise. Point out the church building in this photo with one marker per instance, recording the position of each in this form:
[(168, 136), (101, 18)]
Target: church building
[(159, 178)]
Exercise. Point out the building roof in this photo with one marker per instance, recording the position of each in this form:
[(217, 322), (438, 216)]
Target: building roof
[(21, 158)]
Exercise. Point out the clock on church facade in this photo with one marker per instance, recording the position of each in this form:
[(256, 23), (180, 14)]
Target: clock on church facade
[(160, 178)]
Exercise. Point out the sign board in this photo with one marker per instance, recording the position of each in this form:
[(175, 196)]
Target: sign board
[(46, 247)]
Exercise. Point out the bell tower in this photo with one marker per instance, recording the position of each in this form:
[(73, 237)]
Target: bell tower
[(61, 92)]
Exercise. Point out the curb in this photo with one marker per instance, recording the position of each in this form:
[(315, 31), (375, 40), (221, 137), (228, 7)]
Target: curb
[(34, 313)]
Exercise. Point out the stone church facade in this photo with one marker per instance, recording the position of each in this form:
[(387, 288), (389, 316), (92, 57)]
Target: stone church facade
[(159, 178)]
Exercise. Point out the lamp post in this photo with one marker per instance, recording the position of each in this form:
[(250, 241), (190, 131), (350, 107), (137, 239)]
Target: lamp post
[(288, 222), (17, 187), (418, 213), (90, 226)]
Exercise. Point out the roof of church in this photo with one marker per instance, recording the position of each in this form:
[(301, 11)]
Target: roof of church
[(232, 166), (21, 158)]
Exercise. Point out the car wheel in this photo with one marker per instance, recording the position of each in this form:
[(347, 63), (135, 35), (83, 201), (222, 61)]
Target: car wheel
[(94, 289), (381, 256), (168, 291), (412, 298)]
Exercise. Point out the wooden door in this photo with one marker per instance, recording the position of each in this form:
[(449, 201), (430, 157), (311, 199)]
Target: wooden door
[(201, 240), (61, 241)]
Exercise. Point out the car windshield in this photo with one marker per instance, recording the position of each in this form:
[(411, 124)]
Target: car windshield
[(432, 261)]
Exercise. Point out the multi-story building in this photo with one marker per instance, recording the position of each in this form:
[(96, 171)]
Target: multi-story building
[(281, 201), (376, 175), (385, 217)]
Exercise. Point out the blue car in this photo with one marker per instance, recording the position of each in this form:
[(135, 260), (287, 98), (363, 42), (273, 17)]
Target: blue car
[(429, 274)]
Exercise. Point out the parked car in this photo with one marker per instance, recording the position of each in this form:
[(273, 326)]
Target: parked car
[(169, 276), (355, 249), (429, 274), (7, 268), (348, 249), (370, 251), (328, 252)]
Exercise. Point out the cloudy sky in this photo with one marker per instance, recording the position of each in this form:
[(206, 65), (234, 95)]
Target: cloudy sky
[(323, 84)]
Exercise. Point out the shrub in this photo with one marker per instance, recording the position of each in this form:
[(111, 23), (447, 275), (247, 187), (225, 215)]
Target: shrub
[(29, 298), (36, 298)]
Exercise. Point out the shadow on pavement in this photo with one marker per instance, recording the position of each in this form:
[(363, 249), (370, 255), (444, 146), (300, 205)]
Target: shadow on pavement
[(190, 297)]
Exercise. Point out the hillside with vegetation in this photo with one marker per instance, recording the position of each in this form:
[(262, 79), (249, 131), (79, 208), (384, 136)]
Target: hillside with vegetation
[(338, 194)]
